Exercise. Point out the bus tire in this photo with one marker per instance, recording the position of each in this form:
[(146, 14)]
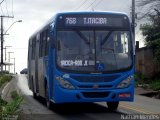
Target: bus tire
[(112, 105), (34, 94), (48, 102)]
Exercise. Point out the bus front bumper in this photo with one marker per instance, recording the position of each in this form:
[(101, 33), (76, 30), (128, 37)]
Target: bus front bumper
[(62, 95)]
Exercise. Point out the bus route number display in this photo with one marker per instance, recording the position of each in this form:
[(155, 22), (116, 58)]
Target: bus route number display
[(73, 21)]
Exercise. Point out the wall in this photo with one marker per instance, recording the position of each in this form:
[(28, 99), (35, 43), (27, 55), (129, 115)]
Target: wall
[(145, 62)]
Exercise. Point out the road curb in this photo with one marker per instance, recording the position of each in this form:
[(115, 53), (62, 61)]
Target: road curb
[(4, 87)]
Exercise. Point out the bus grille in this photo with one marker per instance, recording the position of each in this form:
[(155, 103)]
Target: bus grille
[(91, 86), (95, 94), (95, 78)]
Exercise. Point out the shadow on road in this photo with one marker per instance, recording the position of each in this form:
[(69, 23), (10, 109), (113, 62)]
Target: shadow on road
[(79, 108), (76, 108), (73, 111)]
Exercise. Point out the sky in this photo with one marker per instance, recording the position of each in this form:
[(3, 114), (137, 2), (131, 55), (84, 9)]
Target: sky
[(34, 13)]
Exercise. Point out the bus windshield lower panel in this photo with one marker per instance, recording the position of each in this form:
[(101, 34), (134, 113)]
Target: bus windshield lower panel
[(94, 51)]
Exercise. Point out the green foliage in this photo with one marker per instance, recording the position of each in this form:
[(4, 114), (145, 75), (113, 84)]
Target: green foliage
[(155, 85), (2, 102), (151, 31), (12, 107), (139, 79), (14, 95), (4, 78), (152, 83)]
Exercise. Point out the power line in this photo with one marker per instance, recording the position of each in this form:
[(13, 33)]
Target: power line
[(1, 6), (6, 10), (81, 4), (1, 2), (91, 4), (98, 3), (6, 7), (1, 9)]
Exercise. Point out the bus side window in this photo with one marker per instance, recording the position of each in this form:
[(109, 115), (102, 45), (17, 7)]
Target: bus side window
[(33, 48), (29, 49), (40, 45), (46, 42), (43, 43)]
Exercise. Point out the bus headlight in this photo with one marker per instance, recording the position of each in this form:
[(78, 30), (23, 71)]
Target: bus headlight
[(64, 83), (125, 83)]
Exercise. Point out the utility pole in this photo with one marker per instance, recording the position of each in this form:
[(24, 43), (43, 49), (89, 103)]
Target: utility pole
[(9, 60), (2, 39), (5, 48), (1, 44), (133, 23), (14, 65)]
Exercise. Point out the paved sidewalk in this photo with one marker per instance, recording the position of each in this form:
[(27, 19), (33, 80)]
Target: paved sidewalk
[(143, 104), (140, 91)]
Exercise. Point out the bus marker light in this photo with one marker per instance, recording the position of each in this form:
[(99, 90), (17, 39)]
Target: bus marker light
[(124, 95)]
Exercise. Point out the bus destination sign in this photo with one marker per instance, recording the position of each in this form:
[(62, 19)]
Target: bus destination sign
[(101, 21), (69, 21), (93, 20)]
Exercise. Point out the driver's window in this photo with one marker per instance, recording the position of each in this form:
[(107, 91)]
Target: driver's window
[(124, 41), (120, 42)]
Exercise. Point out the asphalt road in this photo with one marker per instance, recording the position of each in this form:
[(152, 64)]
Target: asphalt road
[(36, 109)]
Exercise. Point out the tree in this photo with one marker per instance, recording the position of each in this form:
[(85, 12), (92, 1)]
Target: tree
[(150, 9), (145, 2), (146, 7), (151, 32)]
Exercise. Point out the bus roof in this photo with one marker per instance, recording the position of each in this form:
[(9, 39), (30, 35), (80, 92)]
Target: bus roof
[(92, 12), (76, 12)]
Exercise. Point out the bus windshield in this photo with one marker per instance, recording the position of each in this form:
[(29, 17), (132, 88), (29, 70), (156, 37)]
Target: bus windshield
[(94, 50)]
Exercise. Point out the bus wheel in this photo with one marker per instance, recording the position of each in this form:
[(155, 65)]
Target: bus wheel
[(112, 105), (34, 95), (48, 102)]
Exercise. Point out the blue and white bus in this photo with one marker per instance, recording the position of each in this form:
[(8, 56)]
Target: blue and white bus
[(83, 57)]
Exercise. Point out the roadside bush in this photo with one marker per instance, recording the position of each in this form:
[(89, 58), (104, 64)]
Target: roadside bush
[(139, 79), (155, 85), (4, 78), (11, 108)]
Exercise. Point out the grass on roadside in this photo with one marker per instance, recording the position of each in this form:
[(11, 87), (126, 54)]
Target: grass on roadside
[(4, 78), (155, 85), (11, 108), (139, 79), (147, 82)]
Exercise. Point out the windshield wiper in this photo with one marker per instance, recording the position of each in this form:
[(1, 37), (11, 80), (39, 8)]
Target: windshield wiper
[(106, 38), (82, 36)]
